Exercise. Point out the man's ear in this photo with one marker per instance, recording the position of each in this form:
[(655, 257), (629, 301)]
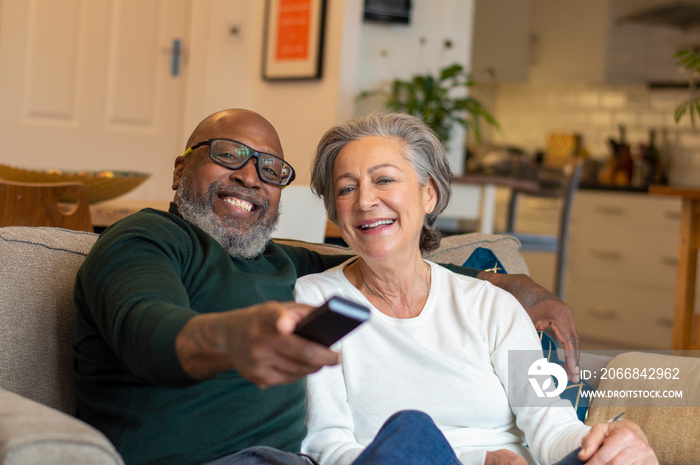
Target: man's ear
[(180, 164)]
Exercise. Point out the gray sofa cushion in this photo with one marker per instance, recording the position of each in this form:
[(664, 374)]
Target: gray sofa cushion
[(453, 249), (37, 313), (32, 434)]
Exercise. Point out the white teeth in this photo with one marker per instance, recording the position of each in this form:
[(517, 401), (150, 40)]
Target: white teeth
[(377, 223), (242, 204)]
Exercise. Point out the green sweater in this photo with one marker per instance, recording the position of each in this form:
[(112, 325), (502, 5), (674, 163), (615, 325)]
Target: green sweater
[(146, 276)]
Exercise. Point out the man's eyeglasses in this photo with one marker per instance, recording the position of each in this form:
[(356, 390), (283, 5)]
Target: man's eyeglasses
[(233, 155)]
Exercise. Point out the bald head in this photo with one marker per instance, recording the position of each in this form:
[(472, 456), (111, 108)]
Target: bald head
[(242, 125)]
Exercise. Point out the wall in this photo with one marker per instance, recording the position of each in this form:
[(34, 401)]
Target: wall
[(528, 111)]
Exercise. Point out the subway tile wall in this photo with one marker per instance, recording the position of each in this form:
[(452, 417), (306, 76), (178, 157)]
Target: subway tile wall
[(527, 112)]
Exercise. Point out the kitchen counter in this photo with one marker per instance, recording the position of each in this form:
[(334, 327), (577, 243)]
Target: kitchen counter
[(596, 186)]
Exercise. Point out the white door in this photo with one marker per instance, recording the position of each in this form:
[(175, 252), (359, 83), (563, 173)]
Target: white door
[(90, 85)]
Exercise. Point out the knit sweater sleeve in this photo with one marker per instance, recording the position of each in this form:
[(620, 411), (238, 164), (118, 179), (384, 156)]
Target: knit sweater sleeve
[(129, 293), (551, 427), (331, 437)]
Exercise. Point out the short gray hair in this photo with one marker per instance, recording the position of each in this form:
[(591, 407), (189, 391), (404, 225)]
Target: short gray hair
[(422, 149)]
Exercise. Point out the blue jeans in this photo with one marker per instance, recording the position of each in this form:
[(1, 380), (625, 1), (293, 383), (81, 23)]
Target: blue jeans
[(571, 459), (407, 438)]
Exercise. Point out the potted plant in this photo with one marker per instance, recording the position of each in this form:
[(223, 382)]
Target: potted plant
[(441, 101)]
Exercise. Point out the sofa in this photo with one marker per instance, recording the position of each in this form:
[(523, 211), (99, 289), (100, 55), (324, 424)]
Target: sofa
[(37, 398)]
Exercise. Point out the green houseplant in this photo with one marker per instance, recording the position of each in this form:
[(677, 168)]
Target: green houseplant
[(689, 60), (441, 100)]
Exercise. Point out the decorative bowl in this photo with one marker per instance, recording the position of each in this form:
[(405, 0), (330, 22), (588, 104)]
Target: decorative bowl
[(100, 185)]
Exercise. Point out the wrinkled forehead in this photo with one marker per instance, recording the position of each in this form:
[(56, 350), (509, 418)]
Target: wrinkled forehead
[(248, 128)]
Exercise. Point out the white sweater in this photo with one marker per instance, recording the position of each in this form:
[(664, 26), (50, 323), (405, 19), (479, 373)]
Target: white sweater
[(450, 362)]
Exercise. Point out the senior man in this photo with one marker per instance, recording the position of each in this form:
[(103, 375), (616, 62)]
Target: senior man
[(183, 348)]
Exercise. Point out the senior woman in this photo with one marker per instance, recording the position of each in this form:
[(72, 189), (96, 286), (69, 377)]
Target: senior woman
[(436, 342)]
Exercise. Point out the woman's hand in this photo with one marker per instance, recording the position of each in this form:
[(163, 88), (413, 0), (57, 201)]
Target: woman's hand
[(504, 457), (545, 310), (619, 442)]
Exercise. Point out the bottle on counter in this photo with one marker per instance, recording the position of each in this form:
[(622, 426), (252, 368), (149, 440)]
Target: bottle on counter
[(620, 166), (625, 164), (657, 170)]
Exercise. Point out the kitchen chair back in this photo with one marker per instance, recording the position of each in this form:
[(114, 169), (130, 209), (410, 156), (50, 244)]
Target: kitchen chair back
[(554, 243), (41, 204)]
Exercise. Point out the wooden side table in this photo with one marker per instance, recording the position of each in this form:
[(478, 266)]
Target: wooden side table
[(685, 324)]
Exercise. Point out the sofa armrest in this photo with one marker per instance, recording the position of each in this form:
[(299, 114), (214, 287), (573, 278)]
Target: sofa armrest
[(32, 433), (670, 424)]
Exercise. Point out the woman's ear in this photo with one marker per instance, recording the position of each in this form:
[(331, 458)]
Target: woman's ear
[(430, 196)]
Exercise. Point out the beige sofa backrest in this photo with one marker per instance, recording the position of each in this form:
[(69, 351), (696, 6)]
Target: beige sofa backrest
[(37, 271)]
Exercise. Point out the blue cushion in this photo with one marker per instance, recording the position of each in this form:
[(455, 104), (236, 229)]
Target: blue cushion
[(573, 391), (484, 259)]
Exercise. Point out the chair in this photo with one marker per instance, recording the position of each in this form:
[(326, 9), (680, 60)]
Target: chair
[(43, 204), (302, 215), (565, 189)]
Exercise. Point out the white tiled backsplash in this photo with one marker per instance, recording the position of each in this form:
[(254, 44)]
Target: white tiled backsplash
[(527, 112)]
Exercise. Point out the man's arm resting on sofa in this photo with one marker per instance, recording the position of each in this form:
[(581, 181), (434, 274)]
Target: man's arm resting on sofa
[(545, 309)]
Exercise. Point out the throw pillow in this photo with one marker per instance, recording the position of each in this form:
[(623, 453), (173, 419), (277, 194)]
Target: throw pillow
[(572, 393), (484, 259)]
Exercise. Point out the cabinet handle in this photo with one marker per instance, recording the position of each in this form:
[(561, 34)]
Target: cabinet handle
[(610, 210), (669, 261), (606, 254), (672, 215), (665, 321), (602, 312)]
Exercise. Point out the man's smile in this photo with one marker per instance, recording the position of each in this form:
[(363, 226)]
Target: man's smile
[(239, 203)]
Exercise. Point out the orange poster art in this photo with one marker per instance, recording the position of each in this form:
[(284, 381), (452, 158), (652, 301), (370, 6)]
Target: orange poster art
[(293, 30)]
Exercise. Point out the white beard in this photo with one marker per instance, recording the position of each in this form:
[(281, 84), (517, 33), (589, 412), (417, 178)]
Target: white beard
[(239, 240)]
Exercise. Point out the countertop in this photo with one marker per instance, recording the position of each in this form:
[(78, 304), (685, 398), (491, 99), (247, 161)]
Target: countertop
[(596, 186)]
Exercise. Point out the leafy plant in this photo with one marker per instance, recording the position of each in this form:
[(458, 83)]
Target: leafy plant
[(690, 60), (440, 101)]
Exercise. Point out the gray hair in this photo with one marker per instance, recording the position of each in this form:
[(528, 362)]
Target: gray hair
[(422, 149)]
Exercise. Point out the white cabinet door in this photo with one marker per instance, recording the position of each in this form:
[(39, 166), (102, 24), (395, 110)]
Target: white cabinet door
[(89, 85), (501, 49)]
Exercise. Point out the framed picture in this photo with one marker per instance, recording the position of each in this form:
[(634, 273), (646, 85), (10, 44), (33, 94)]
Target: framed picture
[(293, 42)]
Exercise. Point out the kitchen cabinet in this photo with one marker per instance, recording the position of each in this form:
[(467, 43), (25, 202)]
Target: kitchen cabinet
[(501, 40), (573, 42), (586, 42), (621, 272), (622, 268)]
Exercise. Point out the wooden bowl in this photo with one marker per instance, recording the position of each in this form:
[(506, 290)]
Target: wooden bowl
[(100, 185)]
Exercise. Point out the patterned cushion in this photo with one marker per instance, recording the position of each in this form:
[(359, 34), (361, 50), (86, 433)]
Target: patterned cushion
[(573, 391)]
